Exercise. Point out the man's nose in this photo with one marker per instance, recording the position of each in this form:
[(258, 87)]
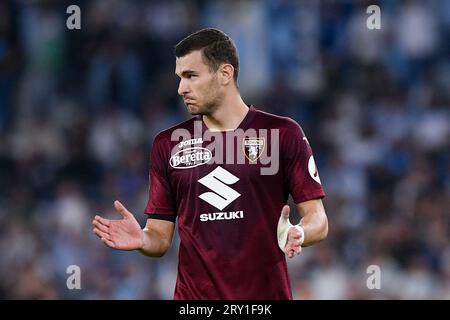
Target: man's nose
[(182, 88)]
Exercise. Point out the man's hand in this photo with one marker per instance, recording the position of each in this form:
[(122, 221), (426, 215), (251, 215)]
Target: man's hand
[(124, 234), (292, 245)]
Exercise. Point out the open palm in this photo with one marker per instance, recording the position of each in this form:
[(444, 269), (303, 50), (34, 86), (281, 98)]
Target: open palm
[(124, 234)]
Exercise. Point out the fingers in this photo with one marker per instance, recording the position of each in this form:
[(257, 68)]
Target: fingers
[(293, 237), (109, 243), (101, 234), (285, 211), (100, 226), (293, 233), (293, 246), (101, 220), (293, 252), (292, 243), (121, 209), (105, 237)]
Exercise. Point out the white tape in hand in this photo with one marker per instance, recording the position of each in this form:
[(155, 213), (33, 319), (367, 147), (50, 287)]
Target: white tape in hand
[(282, 231)]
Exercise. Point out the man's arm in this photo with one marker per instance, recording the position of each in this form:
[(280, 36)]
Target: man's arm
[(157, 237), (314, 221)]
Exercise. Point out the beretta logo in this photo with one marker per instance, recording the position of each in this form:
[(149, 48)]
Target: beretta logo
[(190, 158)]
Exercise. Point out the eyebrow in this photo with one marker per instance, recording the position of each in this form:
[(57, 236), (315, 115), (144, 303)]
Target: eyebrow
[(186, 73)]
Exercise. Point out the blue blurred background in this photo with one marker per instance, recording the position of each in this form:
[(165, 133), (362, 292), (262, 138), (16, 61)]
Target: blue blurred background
[(79, 110)]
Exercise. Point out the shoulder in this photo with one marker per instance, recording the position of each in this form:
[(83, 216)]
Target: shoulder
[(165, 135), (286, 125)]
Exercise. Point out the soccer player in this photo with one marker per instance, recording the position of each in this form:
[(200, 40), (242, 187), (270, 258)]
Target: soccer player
[(233, 240)]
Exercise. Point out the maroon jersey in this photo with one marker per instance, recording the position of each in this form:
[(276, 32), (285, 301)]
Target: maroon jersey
[(227, 190)]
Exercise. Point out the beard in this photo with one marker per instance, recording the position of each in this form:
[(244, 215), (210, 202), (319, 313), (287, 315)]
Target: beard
[(210, 104), (205, 109)]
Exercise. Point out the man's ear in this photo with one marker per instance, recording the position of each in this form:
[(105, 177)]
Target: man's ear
[(226, 73)]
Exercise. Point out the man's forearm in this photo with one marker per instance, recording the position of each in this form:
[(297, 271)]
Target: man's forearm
[(315, 225), (153, 243)]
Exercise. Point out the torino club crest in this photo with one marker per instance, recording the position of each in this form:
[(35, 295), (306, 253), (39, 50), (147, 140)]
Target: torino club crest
[(253, 148)]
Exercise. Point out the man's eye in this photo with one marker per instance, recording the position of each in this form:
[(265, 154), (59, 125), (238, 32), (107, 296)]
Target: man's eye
[(191, 76)]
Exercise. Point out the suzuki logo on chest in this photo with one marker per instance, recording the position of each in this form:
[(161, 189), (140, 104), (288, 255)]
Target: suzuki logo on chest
[(218, 181)]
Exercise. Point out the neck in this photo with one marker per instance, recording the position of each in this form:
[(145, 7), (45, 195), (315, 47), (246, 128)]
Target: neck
[(228, 116)]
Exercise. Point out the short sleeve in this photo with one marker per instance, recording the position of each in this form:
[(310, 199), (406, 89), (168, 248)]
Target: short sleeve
[(160, 203), (302, 176)]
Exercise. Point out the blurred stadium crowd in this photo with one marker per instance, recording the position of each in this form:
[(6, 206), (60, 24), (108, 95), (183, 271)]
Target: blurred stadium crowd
[(79, 110)]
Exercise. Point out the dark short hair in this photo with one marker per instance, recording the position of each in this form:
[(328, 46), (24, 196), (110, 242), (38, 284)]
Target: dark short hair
[(217, 48)]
